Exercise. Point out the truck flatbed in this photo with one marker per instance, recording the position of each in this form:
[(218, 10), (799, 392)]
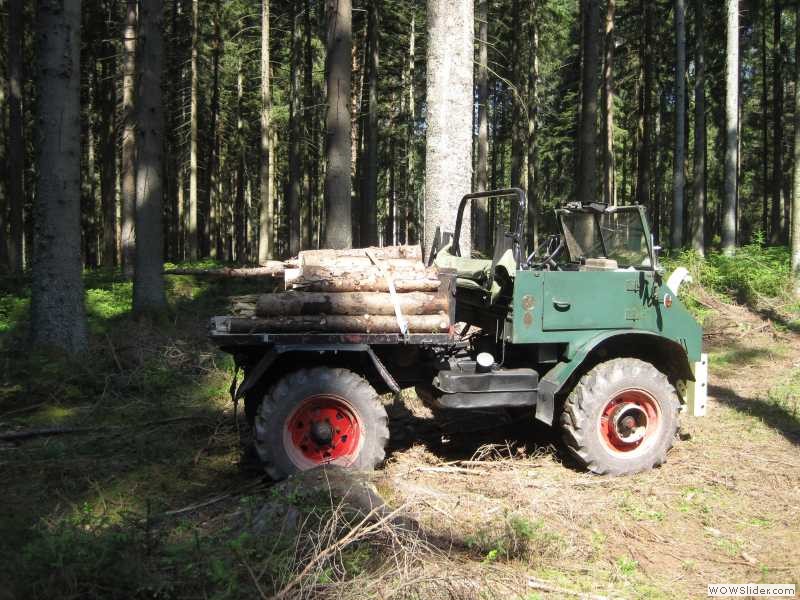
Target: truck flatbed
[(221, 336)]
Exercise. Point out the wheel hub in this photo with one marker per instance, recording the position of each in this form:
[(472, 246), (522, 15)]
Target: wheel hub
[(321, 433), (323, 429), (629, 420)]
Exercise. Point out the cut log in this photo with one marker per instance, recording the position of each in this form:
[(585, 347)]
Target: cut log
[(322, 257), (348, 303), (321, 279), (351, 264), (274, 269), (373, 283), (337, 324)]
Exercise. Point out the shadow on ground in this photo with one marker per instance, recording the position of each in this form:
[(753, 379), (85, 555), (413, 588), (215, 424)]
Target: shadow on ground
[(779, 417)]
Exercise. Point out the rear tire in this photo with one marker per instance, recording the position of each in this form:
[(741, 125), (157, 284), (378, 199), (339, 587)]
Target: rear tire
[(320, 416), (621, 418)]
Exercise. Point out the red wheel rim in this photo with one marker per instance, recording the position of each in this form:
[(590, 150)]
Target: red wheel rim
[(323, 429), (629, 422)]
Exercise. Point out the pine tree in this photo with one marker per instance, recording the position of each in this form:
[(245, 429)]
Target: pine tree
[(58, 316)]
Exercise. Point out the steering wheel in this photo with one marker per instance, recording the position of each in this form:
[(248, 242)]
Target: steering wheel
[(549, 251)]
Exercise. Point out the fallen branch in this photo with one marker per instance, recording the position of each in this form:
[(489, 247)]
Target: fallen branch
[(358, 532), (18, 436)]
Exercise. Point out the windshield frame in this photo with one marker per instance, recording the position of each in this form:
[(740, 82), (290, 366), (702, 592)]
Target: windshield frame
[(597, 211)]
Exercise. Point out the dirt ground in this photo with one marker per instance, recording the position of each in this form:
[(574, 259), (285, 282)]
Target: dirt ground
[(725, 508), (161, 504)]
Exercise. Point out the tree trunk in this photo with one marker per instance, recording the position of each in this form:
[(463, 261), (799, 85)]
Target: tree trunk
[(58, 317), (448, 157), (679, 171), (128, 164), (206, 225), (108, 178), (338, 184), (148, 282), (240, 206), (412, 218), (368, 229), (795, 221), (338, 324), (482, 166), (699, 183), (765, 183), (731, 127), (309, 158), (266, 245), (193, 234), (295, 132), (776, 226), (349, 303), (587, 191), (645, 109), (16, 141), (609, 174), (533, 107), (519, 125)]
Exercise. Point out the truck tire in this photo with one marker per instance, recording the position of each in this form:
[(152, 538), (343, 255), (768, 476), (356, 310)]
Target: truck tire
[(320, 416), (621, 418)]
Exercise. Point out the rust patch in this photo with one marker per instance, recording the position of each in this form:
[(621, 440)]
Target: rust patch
[(528, 319)]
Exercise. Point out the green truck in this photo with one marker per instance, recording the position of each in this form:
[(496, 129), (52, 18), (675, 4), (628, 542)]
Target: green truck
[(584, 333)]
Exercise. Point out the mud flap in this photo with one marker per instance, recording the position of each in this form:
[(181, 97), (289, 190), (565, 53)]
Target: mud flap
[(697, 390)]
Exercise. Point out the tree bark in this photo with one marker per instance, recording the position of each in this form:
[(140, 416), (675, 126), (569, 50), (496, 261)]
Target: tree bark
[(338, 184), (58, 317), (777, 225), (16, 141), (731, 127), (679, 171), (338, 324), (482, 165), (266, 245), (699, 183), (587, 191), (368, 229), (795, 221), (148, 283), (295, 132), (448, 159), (609, 167), (128, 163), (348, 303)]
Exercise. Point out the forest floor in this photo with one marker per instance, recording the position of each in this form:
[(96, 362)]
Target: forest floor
[(152, 500)]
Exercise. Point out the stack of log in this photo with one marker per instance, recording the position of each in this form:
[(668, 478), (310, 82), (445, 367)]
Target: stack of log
[(350, 291)]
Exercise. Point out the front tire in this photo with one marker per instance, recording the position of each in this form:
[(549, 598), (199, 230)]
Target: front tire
[(621, 418), (320, 416)]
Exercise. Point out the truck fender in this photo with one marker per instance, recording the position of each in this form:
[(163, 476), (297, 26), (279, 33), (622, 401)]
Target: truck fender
[(261, 370), (660, 350)]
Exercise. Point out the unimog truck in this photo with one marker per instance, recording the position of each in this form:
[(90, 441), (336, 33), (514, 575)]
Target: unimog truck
[(584, 334)]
